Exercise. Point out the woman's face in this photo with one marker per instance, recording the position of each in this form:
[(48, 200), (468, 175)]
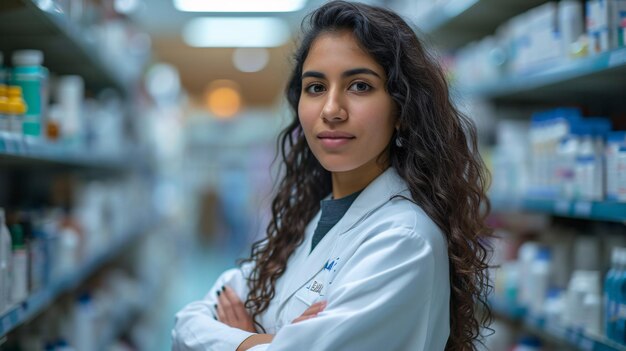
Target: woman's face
[(347, 115)]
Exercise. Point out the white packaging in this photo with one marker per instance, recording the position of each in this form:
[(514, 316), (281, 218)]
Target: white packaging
[(606, 24), (571, 23), (526, 256), (84, 336), (621, 174), (540, 271), (5, 263), (592, 303), (70, 95), (19, 275), (615, 140)]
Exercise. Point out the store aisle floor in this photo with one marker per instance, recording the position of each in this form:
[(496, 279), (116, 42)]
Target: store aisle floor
[(198, 267)]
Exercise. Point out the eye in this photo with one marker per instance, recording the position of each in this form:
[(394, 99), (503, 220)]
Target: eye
[(360, 87), (314, 88)]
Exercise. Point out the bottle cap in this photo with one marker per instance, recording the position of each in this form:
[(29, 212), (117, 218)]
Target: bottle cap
[(17, 236), (27, 58), (14, 91)]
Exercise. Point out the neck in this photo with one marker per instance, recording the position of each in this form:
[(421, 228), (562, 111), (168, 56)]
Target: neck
[(346, 183)]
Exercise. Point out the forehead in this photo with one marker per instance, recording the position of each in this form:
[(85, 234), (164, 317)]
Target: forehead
[(338, 50)]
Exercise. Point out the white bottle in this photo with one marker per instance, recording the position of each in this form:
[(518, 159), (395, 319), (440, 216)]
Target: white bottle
[(592, 304), (621, 174), (84, 336), (5, 263), (19, 271), (540, 271), (526, 256), (615, 140), (571, 23)]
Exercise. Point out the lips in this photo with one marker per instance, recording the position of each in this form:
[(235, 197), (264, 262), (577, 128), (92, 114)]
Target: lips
[(334, 135), (334, 139)]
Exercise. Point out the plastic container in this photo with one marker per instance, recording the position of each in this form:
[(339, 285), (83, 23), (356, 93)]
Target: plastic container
[(19, 271), (32, 77), (571, 23), (16, 109), (5, 263), (619, 293), (70, 96), (540, 270), (4, 111), (614, 141), (621, 174), (526, 256), (610, 304)]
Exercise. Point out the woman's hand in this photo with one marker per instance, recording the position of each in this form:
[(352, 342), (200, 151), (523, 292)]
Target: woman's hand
[(311, 312), (232, 312)]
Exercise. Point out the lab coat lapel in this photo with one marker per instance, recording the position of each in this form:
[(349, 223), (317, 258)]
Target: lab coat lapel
[(381, 190)]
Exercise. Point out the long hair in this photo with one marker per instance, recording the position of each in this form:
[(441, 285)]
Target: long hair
[(439, 161)]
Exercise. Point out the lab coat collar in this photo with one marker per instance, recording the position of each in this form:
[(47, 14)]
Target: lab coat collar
[(387, 185), (376, 194)]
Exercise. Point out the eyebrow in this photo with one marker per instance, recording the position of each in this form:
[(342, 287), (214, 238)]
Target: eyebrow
[(345, 74)]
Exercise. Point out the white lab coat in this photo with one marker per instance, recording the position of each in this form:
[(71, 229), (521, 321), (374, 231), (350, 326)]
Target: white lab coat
[(383, 268)]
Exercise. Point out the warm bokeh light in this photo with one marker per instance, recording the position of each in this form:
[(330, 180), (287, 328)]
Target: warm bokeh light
[(223, 98)]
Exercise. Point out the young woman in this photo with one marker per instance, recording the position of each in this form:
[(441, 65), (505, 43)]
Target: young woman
[(376, 240)]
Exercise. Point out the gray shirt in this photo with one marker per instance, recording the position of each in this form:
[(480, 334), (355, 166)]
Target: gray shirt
[(332, 211)]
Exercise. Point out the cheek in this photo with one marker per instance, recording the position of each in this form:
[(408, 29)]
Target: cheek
[(306, 114)]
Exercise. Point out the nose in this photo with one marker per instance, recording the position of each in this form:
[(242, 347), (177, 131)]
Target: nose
[(334, 109)]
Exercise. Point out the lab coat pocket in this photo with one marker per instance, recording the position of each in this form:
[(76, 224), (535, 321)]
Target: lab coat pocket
[(313, 291)]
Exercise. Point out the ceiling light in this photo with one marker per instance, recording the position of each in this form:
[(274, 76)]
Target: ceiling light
[(251, 59), (236, 32), (223, 98), (239, 5)]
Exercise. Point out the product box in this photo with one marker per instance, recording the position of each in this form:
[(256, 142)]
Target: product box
[(606, 24)]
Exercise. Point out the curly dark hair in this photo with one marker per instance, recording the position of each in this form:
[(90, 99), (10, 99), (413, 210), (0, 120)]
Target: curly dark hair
[(439, 161)]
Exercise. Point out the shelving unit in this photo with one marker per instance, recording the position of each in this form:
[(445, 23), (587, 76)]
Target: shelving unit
[(67, 48), (40, 300), (595, 82), (589, 210), (22, 153), (593, 77), (457, 22), (565, 336)]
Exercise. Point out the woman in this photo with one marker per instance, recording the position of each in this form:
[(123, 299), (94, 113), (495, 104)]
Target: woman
[(376, 238)]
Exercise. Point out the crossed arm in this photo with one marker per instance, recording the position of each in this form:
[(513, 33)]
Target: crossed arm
[(232, 312)]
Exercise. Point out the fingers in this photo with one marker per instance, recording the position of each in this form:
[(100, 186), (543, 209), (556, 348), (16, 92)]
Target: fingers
[(236, 305), (315, 308), (225, 314), (312, 311)]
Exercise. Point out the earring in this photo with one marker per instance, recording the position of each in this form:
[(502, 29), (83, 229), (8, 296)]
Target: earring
[(398, 141)]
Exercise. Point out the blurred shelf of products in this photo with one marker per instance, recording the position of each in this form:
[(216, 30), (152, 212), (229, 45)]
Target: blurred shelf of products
[(544, 82), (87, 238)]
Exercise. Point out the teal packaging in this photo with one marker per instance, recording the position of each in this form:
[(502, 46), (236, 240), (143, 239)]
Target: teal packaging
[(610, 307), (29, 74), (619, 296)]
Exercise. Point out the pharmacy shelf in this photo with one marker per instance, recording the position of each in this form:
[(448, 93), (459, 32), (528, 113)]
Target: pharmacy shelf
[(20, 152), (457, 22), (37, 302), (582, 80), (68, 48), (574, 338), (589, 210), (592, 210)]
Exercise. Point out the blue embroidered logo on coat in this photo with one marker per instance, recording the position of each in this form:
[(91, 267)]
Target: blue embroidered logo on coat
[(331, 264)]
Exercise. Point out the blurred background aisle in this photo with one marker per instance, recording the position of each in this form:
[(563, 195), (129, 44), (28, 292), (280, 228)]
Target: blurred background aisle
[(137, 140)]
